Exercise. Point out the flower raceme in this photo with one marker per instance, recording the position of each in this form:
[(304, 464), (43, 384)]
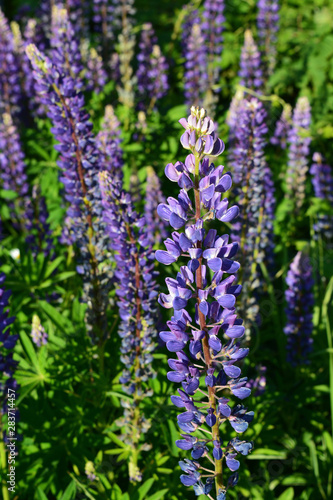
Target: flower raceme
[(206, 340)]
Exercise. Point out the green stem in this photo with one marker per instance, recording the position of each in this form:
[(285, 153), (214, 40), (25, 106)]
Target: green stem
[(326, 301), (208, 359)]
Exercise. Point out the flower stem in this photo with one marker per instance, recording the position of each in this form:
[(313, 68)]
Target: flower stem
[(207, 356)]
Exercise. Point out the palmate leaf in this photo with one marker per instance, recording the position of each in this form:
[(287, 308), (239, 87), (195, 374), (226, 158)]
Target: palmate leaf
[(287, 494), (70, 492)]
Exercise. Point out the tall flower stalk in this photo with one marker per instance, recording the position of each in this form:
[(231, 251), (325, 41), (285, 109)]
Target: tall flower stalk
[(126, 44), (79, 162), (212, 28), (205, 285), (195, 66), (255, 195), (282, 128), (299, 310), (250, 73), (108, 141), (299, 147), (136, 292), (267, 22), (10, 88), (322, 181)]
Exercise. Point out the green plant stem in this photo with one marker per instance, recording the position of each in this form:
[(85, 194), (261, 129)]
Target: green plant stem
[(326, 302), (208, 359)]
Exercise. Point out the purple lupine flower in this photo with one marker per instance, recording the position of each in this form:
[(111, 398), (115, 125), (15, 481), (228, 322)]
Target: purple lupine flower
[(38, 333), (157, 230), (94, 75), (65, 49), (322, 181), (126, 43), (79, 162), (39, 237), (212, 28), (195, 77), (147, 41), (250, 73), (203, 297), (108, 142), (12, 161), (283, 125), (299, 147), (10, 88), (103, 20), (255, 195), (9, 386), (136, 292), (77, 13), (152, 80), (299, 310), (267, 22), (258, 384)]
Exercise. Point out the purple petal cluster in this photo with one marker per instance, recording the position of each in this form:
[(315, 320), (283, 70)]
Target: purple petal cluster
[(322, 181), (250, 73), (126, 46), (103, 19), (299, 310), (267, 22), (258, 384), (12, 161), (39, 237), (108, 142), (255, 195), (10, 87), (38, 333), (212, 29), (65, 48), (152, 70), (283, 125), (154, 196), (7, 343), (94, 75), (79, 163), (204, 330), (195, 77), (136, 292), (299, 148)]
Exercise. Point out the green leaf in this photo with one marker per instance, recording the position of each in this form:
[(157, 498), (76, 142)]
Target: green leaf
[(287, 495), (158, 495), (267, 454), (54, 315), (29, 349), (70, 491), (40, 495), (294, 480), (329, 442), (143, 490)]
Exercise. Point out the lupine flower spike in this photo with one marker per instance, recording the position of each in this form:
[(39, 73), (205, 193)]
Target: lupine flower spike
[(267, 22), (212, 28), (135, 276), (299, 147), (322, 181), (204, 330), (12, 163), (38, 333), (10, 88), (255, 194), (299, 310), (251, 74), (283, 125), (79, 162), (195, 67), (108, 141)]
